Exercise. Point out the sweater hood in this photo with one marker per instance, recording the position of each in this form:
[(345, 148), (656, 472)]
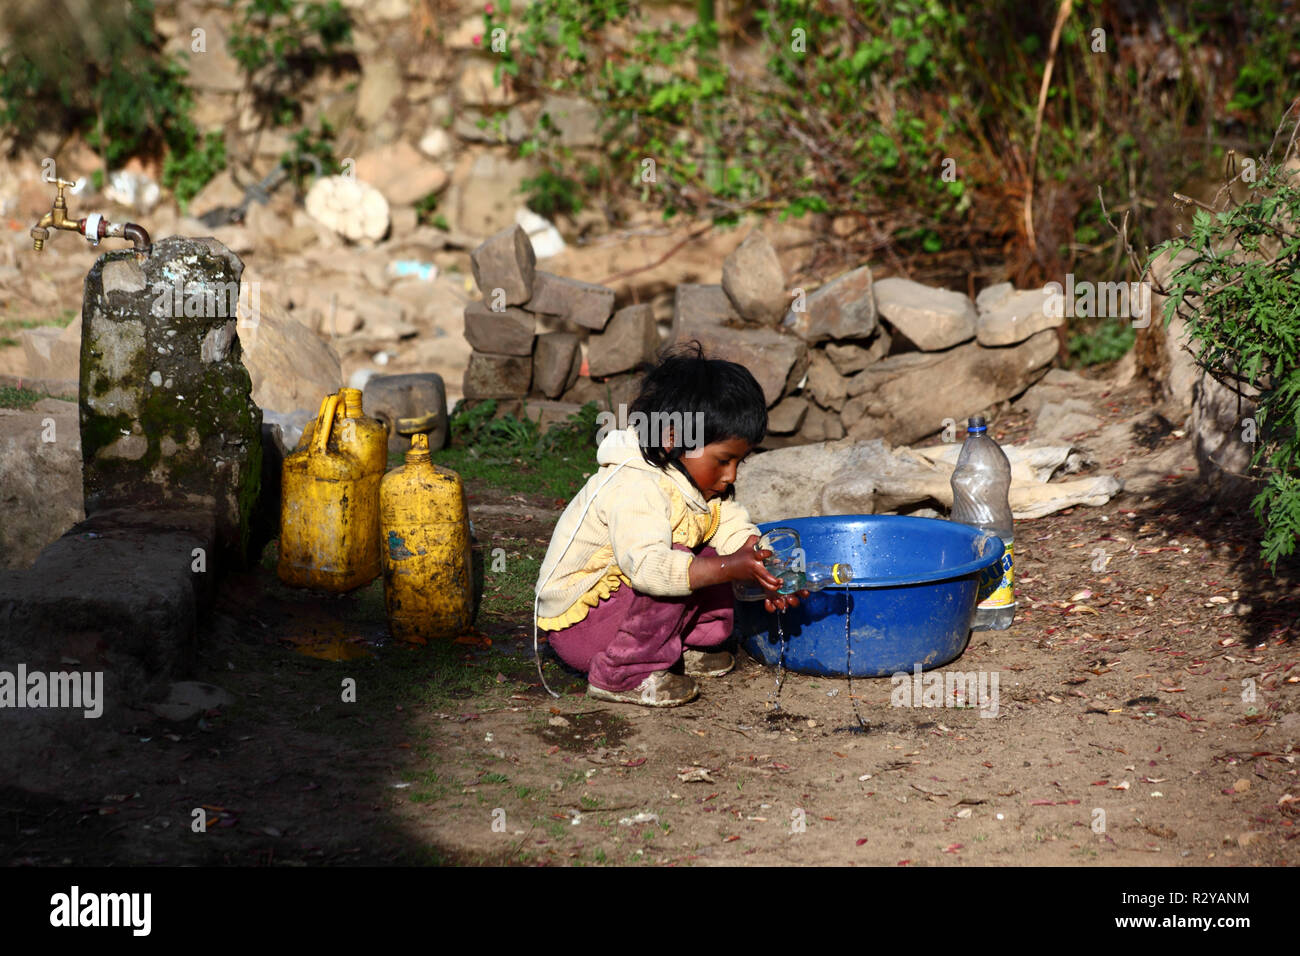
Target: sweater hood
[(623, 446)]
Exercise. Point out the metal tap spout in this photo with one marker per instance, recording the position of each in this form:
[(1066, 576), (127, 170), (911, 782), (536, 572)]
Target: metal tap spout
[(94, 227)]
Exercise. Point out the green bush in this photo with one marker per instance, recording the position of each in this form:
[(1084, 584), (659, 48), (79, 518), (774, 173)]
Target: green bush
[(1107, 342), (312, 154), (279, 44), (188, 169), (506, 436), (864, 105), (1240, 295), (111, 83)]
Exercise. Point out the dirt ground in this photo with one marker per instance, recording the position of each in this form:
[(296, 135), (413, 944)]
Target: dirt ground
[(1148, 716)]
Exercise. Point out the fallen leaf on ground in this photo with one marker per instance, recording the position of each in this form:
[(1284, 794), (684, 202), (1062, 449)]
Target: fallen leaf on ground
[(694, 775)]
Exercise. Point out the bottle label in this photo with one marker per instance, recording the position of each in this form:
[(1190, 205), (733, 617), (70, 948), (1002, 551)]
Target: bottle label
[(995, 587)]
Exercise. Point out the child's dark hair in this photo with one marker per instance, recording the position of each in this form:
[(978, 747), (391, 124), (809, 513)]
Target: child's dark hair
[(727, 397)]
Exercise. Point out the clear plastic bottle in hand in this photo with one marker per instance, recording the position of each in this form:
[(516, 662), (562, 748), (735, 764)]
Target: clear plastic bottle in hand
[(981, 485), (813, 577)]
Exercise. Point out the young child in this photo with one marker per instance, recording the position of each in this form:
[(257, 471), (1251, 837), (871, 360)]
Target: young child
[(642, 560)]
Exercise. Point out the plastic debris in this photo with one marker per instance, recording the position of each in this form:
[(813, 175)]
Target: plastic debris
[(642, 817), (412, 268), (694, 775), (134, 190), (546, 239)]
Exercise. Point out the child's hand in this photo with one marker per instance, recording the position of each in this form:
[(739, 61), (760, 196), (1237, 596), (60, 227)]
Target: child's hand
[(747, 565), (769, 582)]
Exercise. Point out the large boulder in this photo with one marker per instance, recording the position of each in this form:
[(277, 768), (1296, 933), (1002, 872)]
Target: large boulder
[(907, 396), (497, 376), (508, 332), (557, 361), (291, 367)]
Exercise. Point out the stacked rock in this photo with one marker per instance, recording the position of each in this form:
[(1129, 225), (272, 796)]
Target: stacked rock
[(892, 359), (528, 333)]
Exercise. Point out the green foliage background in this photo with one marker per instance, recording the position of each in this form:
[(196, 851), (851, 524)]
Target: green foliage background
[(1239, 291)]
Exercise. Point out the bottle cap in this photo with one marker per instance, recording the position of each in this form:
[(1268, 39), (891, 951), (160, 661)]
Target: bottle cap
[(976, 425), (419, 449)]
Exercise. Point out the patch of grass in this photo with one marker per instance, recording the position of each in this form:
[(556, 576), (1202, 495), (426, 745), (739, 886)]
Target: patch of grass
[(1109, 341), (555, 476), (509, 577), (437, 676), (588, 802), (494, 778), (19, 398), (62, 321), (512, 454), (556, 829)]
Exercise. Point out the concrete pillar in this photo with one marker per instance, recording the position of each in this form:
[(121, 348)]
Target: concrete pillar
[(167, 415)]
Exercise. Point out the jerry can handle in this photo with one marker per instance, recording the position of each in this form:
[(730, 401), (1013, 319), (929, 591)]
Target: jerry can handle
[(326, 419), (414, 426)]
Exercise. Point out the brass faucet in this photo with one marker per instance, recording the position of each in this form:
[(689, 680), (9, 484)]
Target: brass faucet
[(57, 218)]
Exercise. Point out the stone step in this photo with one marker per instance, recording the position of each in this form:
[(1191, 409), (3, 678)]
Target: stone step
[(119, 594)]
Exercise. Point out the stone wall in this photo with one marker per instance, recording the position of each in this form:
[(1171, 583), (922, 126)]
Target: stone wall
[(856, 357)]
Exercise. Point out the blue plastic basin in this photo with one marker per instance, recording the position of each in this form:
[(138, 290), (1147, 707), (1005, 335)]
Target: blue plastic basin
[(911, 602)]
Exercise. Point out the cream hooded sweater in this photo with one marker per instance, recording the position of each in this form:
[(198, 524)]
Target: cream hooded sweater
[(628, 533)]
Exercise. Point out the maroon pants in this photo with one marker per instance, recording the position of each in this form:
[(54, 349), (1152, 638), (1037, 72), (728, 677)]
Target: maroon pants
[(628, 635)]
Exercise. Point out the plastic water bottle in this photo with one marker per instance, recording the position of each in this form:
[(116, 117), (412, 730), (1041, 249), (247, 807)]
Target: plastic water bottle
[(980, 486), (813, 577)]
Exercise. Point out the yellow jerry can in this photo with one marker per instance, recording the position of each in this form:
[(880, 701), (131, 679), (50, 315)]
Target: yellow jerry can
[(424, 520), (367, 428), (329, 511)]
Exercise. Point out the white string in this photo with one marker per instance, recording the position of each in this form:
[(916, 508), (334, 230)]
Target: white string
[(537, 597)]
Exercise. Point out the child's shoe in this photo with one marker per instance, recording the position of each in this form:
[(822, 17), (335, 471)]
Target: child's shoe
[(660, 689), (715, 664)]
